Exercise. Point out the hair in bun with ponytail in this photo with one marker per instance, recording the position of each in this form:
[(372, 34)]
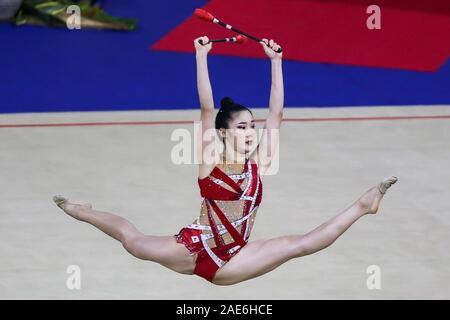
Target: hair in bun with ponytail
[(227, 109), (226, 102)]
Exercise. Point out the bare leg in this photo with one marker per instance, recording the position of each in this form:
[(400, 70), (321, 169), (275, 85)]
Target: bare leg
[(262, 256), (161, 249)]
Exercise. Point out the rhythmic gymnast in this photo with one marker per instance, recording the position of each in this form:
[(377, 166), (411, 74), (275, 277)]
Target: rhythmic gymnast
[(216, 245)]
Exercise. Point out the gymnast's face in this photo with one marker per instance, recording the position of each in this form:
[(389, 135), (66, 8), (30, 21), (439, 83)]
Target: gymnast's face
[(241, 133)]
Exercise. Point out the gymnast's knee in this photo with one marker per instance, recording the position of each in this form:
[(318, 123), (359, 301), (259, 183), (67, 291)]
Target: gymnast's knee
[(298, 246), (132, 244)]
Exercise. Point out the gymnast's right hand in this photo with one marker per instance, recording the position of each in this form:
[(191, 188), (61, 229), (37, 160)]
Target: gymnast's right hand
[(202, 49)]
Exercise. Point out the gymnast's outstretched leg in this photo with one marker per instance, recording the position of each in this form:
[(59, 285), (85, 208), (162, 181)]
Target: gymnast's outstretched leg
[(261, 256), (161, 249)]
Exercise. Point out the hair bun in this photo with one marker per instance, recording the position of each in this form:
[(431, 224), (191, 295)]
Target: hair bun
[(226, 102)]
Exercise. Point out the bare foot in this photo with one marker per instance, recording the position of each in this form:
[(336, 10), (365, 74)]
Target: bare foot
[(370, 201), (72, 208)]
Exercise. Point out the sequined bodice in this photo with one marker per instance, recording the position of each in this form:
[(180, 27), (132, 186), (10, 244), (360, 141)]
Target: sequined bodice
[(229, 206)]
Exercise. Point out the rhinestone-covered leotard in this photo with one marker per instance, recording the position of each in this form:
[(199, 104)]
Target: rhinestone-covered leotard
[(229, 206)]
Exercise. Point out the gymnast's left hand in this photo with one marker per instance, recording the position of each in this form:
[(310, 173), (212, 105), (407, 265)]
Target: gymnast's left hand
[(270, 47)]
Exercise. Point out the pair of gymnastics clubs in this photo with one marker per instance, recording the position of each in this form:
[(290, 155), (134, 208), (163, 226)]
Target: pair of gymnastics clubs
[(239, 39), (205, 15)]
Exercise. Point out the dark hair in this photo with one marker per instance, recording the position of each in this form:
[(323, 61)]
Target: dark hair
[(227, 109)]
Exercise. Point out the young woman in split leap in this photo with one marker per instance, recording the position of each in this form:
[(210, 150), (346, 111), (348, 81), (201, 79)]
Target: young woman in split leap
[(216, 245)]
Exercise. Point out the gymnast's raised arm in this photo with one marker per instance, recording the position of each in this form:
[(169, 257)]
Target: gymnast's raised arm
[(206, 99), (270, 136)]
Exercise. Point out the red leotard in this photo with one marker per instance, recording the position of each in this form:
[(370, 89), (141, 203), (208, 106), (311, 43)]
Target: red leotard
[(226, 218)]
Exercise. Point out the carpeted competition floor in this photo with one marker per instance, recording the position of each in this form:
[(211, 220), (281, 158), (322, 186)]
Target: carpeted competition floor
[(326, 162)]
